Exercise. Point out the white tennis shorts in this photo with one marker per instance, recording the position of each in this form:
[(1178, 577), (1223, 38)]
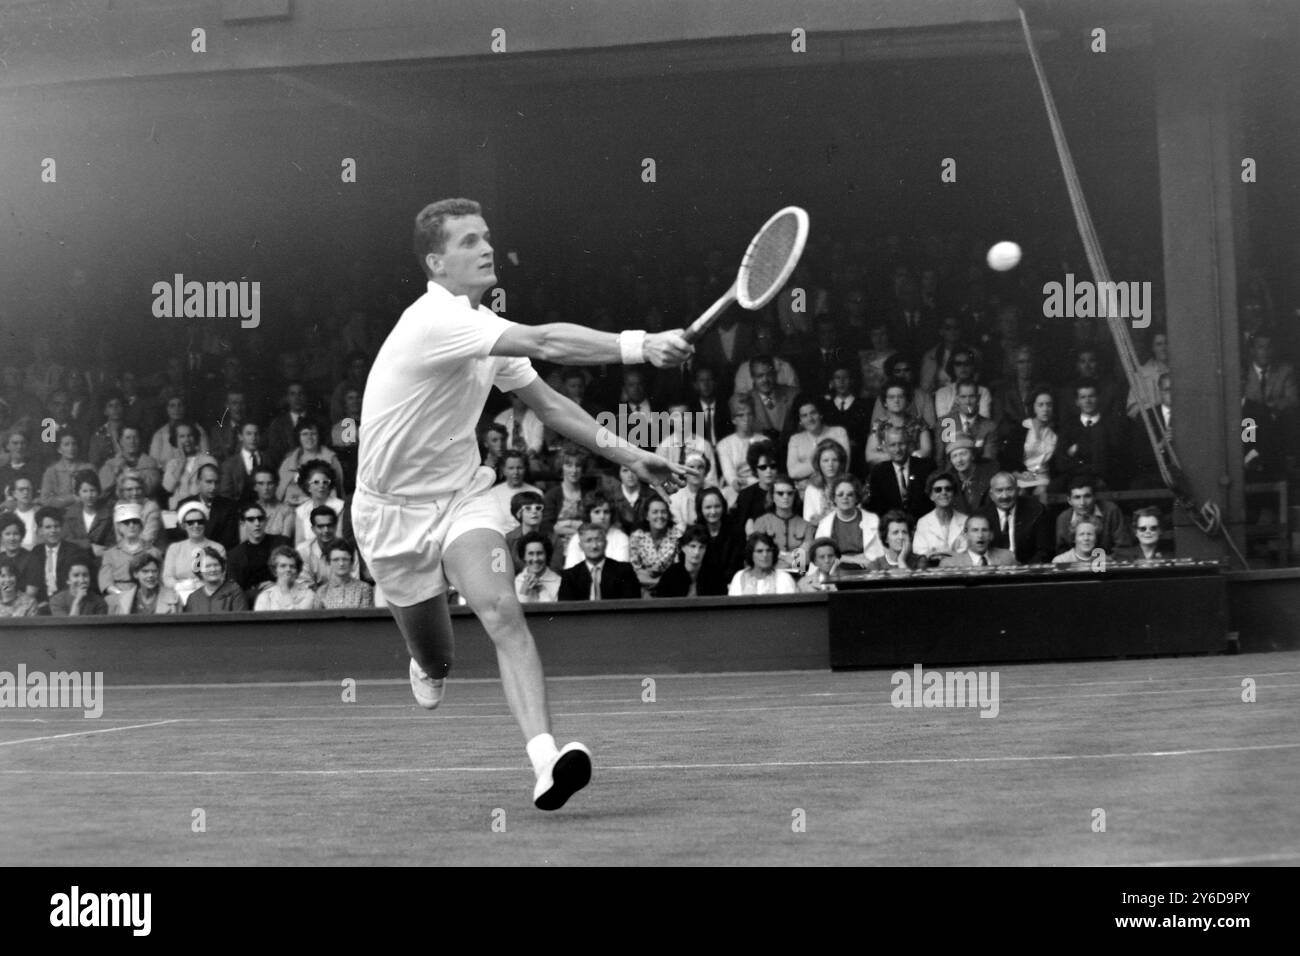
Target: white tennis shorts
[(403, 538)]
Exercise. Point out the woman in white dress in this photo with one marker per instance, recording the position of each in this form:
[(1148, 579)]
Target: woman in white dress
[(760, 574)]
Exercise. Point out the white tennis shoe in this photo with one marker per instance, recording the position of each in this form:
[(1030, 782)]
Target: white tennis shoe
[(428, 692), (564, 776)]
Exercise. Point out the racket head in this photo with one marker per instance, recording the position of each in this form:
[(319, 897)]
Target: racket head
[(771, 257)]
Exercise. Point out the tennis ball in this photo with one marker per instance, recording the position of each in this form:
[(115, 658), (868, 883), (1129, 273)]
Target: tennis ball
[(1004, 256)]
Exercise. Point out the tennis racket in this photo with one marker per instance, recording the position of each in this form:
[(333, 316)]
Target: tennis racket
[(771, 257)]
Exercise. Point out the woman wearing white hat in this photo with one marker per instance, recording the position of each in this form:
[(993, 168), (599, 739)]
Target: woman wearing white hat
[(115, 564), (180, 567)]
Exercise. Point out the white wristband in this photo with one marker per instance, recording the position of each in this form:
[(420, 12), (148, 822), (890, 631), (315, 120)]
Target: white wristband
[(632, 344)]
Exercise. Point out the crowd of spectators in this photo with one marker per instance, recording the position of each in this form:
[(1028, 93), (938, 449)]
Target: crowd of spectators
[(897, 417)]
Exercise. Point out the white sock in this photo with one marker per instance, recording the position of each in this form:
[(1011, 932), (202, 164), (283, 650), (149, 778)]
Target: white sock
[(541, 751)]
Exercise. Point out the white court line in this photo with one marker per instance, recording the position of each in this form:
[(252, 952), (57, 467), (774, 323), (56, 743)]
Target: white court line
[(661, 677), (615, 768), (1220, 861), (410, 711), (86, 733)]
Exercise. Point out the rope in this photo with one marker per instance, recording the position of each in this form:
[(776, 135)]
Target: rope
[(1206, 517)]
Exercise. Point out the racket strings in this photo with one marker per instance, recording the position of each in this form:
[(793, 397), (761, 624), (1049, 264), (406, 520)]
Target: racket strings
[(766, 261)]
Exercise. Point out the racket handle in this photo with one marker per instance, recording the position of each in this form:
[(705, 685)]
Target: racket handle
[(711, 315)]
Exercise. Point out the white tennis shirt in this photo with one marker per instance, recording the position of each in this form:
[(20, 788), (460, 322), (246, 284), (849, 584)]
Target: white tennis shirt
[(425, 394)]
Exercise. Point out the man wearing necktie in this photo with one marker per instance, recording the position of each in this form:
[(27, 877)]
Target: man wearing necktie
[(1019, 525), (596, 577), (900, 482), (1093, 441), (980, 552)]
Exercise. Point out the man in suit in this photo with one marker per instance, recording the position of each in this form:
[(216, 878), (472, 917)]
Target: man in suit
[(612, 579), (1270, 397), (912, 328), (1112, 532), (1146, 473), (727, 344), (900, 482), (972, 477), (1020, 525), (965, 421), (773, 404), (48, 566), (282, 435), (979, 548), (635, 399), (236, 481), (1091, 441), (223, 513), (1013, 397), (1087, 367), (817, 360), (710, 406)]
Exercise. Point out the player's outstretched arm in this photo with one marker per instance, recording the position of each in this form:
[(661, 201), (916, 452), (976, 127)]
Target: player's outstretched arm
[(567, 417), (563, 343)]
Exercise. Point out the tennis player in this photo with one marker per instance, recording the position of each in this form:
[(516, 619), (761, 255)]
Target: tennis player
[(421, 513)]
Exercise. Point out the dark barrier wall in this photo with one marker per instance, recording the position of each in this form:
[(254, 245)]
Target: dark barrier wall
[(613, 637)]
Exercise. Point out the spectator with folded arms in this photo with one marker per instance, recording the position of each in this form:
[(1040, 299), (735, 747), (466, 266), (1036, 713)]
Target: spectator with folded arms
[(536, 582), (652, 548)]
